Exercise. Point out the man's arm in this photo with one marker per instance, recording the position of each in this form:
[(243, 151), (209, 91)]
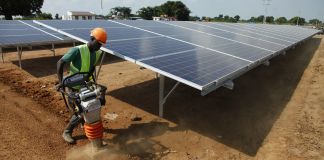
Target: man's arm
[(67, 58), (60, 67)]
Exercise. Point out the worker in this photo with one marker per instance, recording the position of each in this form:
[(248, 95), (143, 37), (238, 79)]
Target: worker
[(82, 58)]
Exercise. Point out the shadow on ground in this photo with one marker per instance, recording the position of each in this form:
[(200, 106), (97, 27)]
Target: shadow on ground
[(242, 117), (45, 66)]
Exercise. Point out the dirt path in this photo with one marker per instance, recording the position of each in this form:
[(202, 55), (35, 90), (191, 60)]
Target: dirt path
[(27, 130), (274, 112)]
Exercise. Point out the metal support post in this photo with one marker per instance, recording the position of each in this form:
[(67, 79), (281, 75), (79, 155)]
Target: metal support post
[(163, 99), (19, 50), (1, 55), (102, 59), (161, 95), (53, 49), (73, 43)]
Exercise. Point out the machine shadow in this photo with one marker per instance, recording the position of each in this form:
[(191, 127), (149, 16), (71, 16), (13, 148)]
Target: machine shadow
[(239, 118), (46, 66)]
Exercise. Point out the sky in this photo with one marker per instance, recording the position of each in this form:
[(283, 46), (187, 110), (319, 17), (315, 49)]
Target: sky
[(308, 9)]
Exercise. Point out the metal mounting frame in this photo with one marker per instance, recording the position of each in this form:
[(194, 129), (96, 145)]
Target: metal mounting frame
[(2, 55), (101, 61), (53, 49), (162, 98), (19, 51)]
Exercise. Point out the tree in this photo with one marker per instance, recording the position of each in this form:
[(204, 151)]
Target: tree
[(220, 16), (194, 18), (176, 9), (182, 11), (315, 21), (157, 11), (270, 19), (124, 12), (237, 18), (10, 8), (233, 20), (226, 18), (281, 20), (260, 19), (297, 21), (146, 13), (149, 12), (207, 19), (252, 19), (44, 16), (57, 16), (168, 8)]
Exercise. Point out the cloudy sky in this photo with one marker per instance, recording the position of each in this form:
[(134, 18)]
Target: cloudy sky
[(245, 8)]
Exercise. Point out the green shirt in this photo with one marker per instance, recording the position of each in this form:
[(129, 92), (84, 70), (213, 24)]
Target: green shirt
[(74, 56)]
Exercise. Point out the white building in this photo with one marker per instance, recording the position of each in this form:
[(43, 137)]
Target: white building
[(79, 15), (156, 18)]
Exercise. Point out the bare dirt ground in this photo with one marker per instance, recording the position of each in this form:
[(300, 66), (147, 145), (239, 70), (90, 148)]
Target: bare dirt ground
[(274, 112)]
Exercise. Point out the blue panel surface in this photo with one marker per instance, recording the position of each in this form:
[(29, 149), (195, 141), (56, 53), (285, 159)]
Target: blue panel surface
[(240, 50), (47, 30), (197, 54), (200, 66), (17, 33), (130, 42), (270, 45), (283, 31), (219, 29)]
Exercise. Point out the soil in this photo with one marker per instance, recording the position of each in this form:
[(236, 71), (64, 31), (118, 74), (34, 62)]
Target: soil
[(274, 112)]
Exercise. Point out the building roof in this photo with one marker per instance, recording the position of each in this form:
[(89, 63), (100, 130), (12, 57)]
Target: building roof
[(82, 13)]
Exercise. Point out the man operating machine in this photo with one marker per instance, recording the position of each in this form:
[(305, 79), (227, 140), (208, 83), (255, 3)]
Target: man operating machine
[(85, 96)]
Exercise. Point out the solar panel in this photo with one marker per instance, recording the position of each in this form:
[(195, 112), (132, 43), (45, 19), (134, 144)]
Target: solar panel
[(202, 55), (259, 40), (291, 32), (199, 66), (19, 33), (141, 47), (219, 43), (15, 33), (253, 33), (64, 37)]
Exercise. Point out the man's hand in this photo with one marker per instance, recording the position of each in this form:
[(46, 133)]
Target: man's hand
[(59, 86)]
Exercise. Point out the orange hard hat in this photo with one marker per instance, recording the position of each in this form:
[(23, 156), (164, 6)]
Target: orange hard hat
[(99, 34)]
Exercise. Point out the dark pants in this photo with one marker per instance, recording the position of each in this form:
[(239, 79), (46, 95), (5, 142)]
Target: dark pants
[(75, 120)]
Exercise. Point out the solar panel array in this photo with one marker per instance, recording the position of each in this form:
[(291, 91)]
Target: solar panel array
[(199, 54), (15, 32)]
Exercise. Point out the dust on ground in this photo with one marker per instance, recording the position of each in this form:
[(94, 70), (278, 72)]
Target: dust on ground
[(274, 112)]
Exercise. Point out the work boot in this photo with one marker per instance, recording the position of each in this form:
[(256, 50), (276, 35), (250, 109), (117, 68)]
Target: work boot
[(67, 136)]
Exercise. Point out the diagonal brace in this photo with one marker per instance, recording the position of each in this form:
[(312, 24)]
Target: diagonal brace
[(163, 99)]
